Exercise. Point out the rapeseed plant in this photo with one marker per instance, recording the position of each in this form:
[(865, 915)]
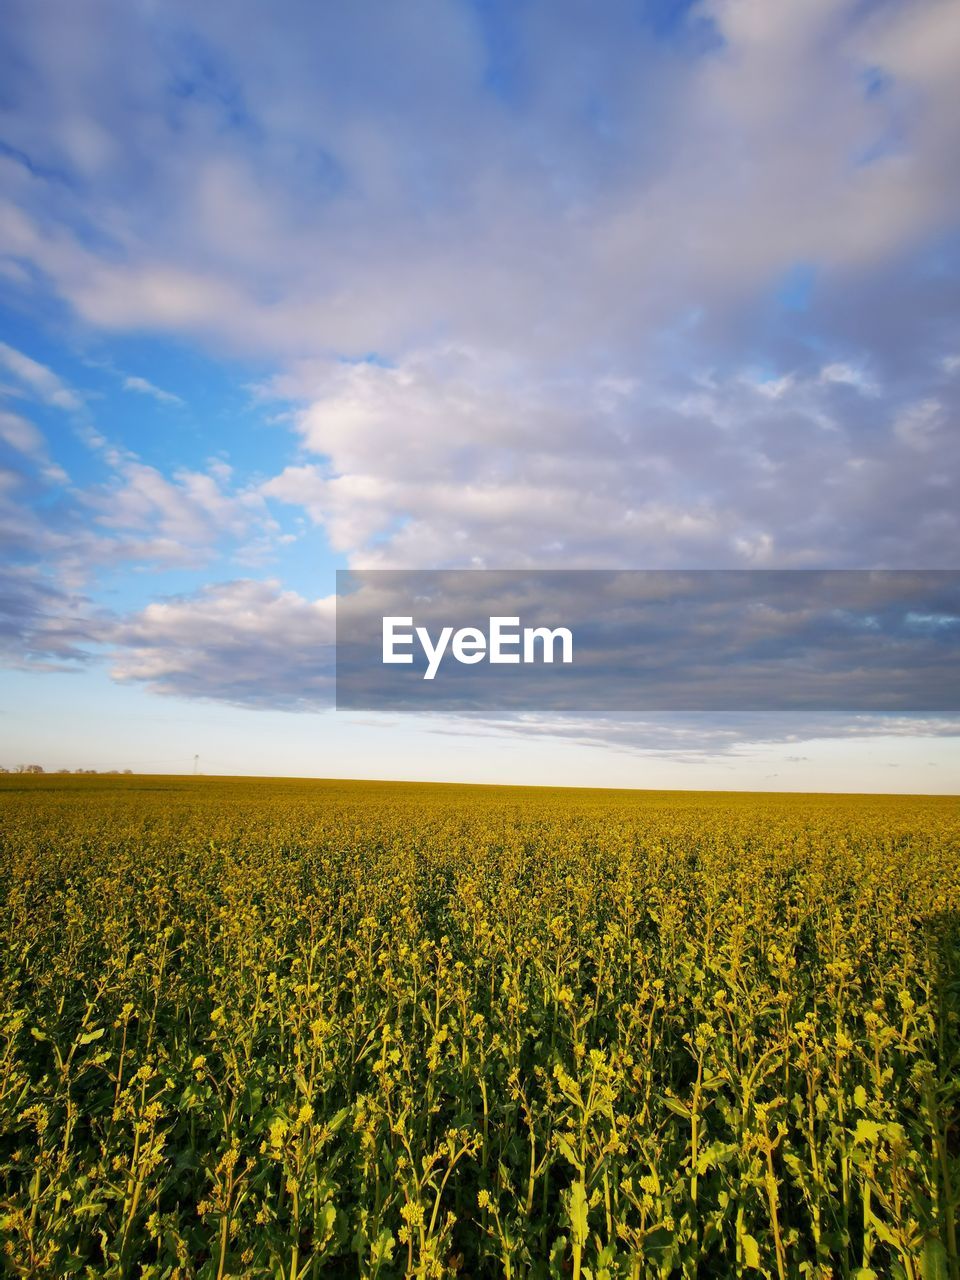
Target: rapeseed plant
[(300, 1029)]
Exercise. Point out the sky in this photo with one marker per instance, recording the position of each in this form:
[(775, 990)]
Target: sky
[(294, 288)]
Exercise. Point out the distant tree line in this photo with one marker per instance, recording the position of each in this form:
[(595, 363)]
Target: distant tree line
[(38, 768)]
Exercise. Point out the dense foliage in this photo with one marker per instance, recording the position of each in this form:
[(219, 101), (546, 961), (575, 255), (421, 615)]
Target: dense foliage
[(302, 1029)]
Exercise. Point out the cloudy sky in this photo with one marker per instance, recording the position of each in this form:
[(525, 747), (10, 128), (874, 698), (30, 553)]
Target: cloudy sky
[(455, 283)]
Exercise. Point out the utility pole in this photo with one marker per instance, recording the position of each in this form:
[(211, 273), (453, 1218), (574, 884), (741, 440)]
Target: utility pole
[(196, 765)]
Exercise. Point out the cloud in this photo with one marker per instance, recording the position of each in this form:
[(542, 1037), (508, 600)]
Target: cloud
[(191, 509), (921, 426), (142, 511), (21, 434), (664, 641), (58, 540), (847, 375), (245, 642), (535, 310), (701, 737), (26, 439), (37, 381), (144, 387), (43, 627), (307, 194), (446, 459), (253, 644)]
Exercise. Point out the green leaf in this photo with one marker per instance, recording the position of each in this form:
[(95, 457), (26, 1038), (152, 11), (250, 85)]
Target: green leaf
[(716, 1154), (72, 1266), (565, 1147), (381, 1250), (751, 1252), (657, 1240), (578, 1207), (675, 1105), (88, 1037), (335, 1122), (327, 1219), (867, 1131), (934, 1264), (557, 1253), (883, 1231)]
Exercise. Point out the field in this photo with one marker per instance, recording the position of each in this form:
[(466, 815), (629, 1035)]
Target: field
[(258, 1028)]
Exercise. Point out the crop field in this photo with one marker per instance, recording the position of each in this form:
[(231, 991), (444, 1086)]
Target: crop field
[(303, 1029)]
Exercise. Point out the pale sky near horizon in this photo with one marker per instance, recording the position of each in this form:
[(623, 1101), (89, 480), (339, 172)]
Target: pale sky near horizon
[(459, 283)]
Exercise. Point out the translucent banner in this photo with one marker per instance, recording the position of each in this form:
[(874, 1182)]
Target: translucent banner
[(649, 640)]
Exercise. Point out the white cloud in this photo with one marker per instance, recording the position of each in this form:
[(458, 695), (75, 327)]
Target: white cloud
[(534, 230), (532, 277), (919, 425), (62, 537), (190, 509), (144, 387), (43, 626), (565, 288), (697, 737), (847, 375), (443, 461), (245, 642), (39, 381), (21, 434), (27, 439)]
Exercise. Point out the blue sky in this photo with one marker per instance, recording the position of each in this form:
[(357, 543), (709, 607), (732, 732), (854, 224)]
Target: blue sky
[(453, 284)]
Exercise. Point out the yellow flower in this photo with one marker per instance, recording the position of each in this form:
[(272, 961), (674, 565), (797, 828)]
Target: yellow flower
[(412, 1213)]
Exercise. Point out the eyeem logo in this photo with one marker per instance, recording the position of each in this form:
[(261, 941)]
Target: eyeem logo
[(503, 642)]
